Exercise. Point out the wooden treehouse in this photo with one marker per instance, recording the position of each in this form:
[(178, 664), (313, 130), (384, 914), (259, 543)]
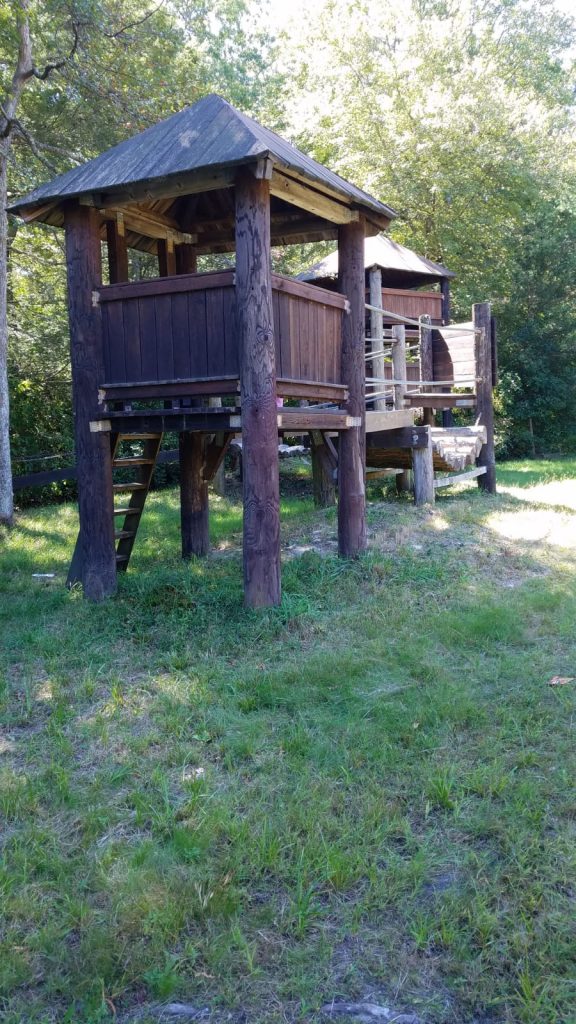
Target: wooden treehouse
[(210, 355), (418, 364)]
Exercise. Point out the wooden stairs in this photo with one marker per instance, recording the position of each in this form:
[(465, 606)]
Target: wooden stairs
[(454, 449), (139, 467)]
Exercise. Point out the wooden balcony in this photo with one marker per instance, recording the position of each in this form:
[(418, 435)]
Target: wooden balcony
[(176, 336)]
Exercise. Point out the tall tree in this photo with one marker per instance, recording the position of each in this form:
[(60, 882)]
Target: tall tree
[(43, 43), (460, 114)]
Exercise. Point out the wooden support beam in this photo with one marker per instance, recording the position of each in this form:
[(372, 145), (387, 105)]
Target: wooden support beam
[(194, 518), (399, 372), (481, 315), (304, 420), (117, 250), (309, 199), (166, 257), (433, 400), (323, 471), (97, 555), (261, 489), (423, 470), (445, 307), (426, 362), (186, 184), (186, 259), (147, 223), (377, 332), (494, 339), (458, 478), (215, 452), (352, 448), (398, 437)]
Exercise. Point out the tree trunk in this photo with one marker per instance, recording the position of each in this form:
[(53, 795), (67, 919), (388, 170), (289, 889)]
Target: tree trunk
[(6, 493)]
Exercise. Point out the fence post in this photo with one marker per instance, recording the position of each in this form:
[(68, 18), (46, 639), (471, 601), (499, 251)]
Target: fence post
[(377, 334), (481, 316), (426, 362), (399, 372), (423, 466)]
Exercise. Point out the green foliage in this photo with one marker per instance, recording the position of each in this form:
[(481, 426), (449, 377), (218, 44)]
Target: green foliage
[(460, 115)]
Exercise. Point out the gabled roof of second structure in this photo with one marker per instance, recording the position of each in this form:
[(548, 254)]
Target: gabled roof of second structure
[(383, 252)]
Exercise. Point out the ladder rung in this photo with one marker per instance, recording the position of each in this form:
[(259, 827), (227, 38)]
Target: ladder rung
[(137, 461), (138, 437), (127, 511), (130, 487), (122, 534)]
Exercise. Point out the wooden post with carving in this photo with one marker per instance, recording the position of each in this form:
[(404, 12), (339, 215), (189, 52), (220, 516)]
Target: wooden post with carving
[(95, 560), (261, 491), (481, 316), (352, 442)]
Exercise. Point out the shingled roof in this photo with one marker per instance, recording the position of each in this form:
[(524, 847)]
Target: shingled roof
[(401, 267), (210, 135)]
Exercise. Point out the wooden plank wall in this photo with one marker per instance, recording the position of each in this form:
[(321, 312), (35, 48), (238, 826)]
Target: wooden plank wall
[(453, 356), (412, 304), (161, 330)]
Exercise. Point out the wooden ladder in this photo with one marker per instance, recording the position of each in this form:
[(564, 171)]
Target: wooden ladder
[(127, 516)]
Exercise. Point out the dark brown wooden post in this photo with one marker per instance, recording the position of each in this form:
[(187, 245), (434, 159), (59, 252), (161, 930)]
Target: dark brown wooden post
[(166, 257), (117, 250), (194, 517), (186, 259), (481, 316), (352, 442), (258, 392), (426, 364), (93, 454), (323, 482), (445, 292), (194, 505)]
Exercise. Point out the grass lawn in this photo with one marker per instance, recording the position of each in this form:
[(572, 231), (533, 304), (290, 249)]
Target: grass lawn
[(367, 793)]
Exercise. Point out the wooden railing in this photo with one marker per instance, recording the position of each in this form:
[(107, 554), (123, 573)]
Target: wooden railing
[(177, 328)]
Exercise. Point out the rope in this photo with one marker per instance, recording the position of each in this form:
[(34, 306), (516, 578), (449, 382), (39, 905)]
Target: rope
[(423, 383), (419, 323)]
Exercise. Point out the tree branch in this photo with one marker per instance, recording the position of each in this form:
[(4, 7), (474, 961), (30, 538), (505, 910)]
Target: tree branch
[(25, 134), (134, 24), (34, 72)]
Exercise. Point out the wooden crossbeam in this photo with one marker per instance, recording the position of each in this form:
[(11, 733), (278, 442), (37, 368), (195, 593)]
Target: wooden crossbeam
[(458, 478), (309, 199)]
